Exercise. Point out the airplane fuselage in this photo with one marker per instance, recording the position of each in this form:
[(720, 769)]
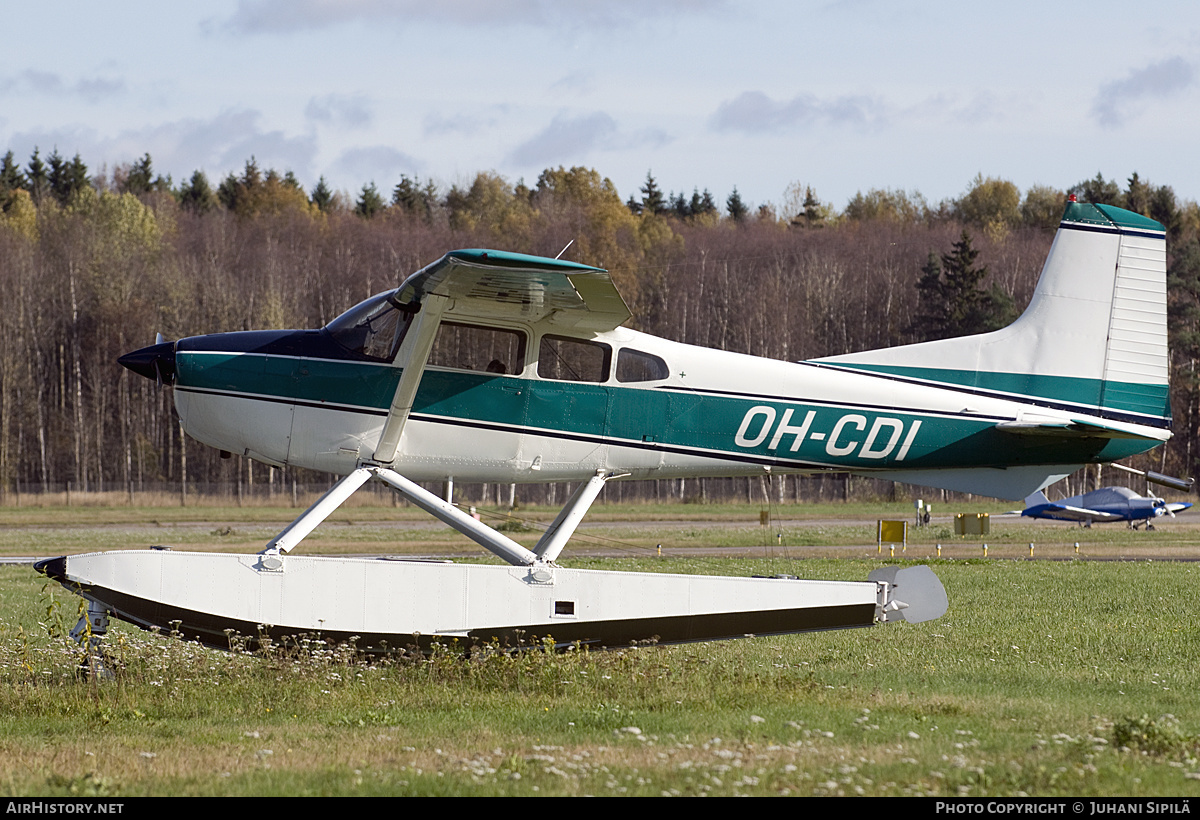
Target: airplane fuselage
[(298, 398)]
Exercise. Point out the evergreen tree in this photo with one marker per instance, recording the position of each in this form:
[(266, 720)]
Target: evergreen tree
[(410, 197), (1137, 196), (227, 191), (652, 197), (1098, 191), (11, 177), (57, 176), (78, 175), (369, 202), (813, 213), (66, 178), (37, 178), (1163, 208), (680, 205), (953, 300), (321, 196), (735, 207), (139, 178), (196, 195)]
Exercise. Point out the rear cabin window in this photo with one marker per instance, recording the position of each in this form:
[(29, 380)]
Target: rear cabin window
[(636, 366), (483, 349), (573, 360)]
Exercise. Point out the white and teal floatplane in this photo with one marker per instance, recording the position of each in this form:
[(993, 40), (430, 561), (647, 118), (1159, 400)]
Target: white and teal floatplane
[(488, 366)]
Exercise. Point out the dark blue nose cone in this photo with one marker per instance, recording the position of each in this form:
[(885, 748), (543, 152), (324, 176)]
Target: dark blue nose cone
[(154, 362)]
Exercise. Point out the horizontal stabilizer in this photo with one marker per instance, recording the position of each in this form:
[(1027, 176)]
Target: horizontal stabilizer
[(1074, 428)]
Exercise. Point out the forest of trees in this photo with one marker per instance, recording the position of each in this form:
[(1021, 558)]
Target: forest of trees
[(94, 265)]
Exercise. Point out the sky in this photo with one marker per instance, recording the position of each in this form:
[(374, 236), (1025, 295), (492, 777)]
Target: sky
[(840, 95)]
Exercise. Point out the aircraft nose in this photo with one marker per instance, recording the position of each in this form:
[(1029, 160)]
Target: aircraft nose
[(154, 362)]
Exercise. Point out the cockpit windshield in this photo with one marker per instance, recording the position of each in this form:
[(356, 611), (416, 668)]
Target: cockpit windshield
[(374, 327)]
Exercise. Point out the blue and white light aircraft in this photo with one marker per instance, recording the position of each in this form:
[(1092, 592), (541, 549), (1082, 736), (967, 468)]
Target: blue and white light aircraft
[(1104, 506), (488, 366)]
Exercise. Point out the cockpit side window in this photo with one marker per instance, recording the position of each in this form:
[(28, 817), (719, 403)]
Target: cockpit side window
[(374, 327), (484, 349), (636, 366), (573, 360)]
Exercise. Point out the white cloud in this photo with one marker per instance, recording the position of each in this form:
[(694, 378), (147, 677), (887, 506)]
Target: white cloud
[(754, 112), (50, 84), (284, 16), (380, 163), (340, 110), (1118, 100), (218, 145)]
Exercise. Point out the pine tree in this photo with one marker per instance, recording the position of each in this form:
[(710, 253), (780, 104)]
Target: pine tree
[(652, 197), (680, 205), (37, 178), (321, 196), (409, 197), (1137, 195), (196, 195), (953, 300), (814, 214), (139, 178), (1099, 191), (11, 177), (369, 202), (735, 207), (57, 176), (66, 178)]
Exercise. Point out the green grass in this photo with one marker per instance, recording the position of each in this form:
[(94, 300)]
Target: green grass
[(1045, 678), (806, 530)]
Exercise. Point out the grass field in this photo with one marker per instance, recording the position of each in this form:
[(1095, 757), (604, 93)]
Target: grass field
[(1044, 678)]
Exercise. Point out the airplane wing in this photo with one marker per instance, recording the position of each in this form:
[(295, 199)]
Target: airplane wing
[(496, 284), (517, 286), (1064, 512)]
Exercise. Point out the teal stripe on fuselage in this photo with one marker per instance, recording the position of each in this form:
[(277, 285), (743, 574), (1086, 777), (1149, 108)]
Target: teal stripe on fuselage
[(1127, 397), (676, 421)]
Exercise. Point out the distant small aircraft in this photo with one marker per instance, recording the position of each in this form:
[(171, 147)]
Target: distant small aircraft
[(1105, 505), (490, 366)]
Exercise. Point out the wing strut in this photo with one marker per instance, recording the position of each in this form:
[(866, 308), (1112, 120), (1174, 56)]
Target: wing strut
[(295, 532), (481, 534), (419, 341), (555, 538)]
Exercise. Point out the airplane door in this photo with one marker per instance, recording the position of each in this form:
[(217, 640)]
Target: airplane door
[(568, 408), (637, 418), (565, 428)]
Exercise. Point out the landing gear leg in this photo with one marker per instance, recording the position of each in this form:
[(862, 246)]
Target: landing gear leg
[(89, 634)]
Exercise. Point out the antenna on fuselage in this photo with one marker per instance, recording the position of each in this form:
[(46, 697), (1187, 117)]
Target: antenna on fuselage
[(564, 250)]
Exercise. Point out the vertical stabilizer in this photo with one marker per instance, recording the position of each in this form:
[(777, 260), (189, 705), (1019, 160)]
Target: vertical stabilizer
[(1093, 339)]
